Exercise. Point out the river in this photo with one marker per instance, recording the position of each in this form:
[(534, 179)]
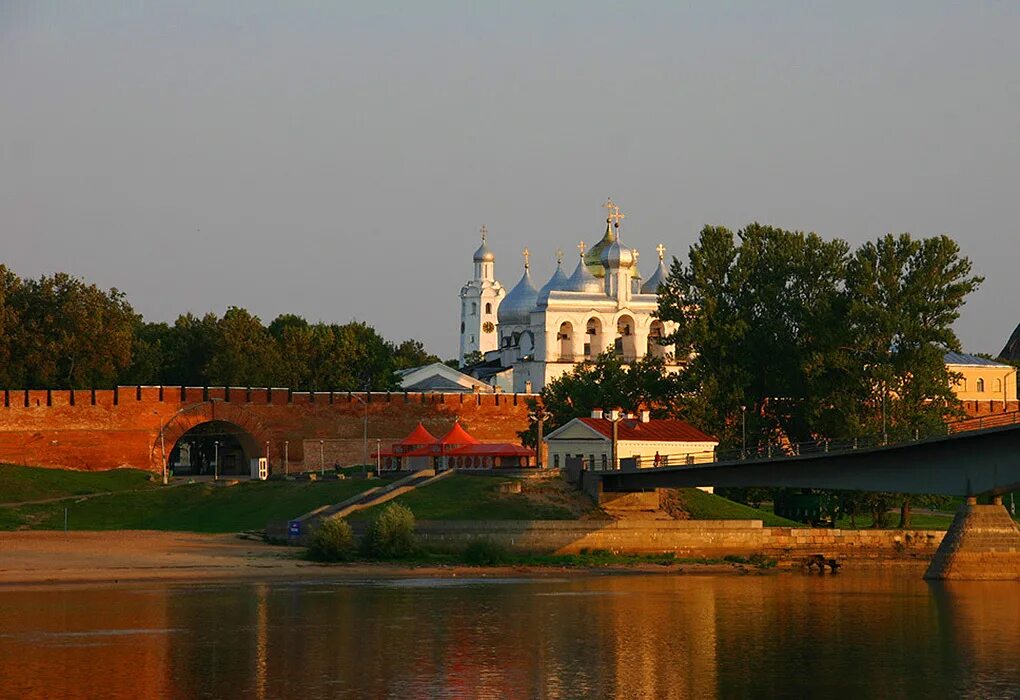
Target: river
[(878, 632)]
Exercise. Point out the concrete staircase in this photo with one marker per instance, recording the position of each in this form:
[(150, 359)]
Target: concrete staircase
[(366, 499)]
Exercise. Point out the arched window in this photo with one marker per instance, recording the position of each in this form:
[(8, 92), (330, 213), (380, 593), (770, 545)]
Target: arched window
[(474, 308), (980, 385), (997, 385), (488, 307)]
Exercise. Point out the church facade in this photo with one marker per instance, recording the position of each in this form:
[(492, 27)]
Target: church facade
[(522, 339)]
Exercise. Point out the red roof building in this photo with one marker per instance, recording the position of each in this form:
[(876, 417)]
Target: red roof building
[(457, 449), (639, 442)]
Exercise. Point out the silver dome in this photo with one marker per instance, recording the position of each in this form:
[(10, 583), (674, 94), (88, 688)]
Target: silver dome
[(484, 253), (583, 280), (658, 278), (556, 283), (516, 307), (617, 256)]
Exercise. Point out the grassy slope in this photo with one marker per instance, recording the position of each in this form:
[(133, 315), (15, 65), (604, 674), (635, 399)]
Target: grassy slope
[(192, 507), (463, 497), (707, 506), (19, 484)]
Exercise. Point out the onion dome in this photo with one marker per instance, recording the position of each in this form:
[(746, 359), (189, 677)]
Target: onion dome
[(593, 258), (659, 277), (556, 283), (617, 256), (583, 280), (484, 253), (516, 307)]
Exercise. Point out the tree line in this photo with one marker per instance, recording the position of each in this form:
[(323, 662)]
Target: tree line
[(790, 338), (61, 332)]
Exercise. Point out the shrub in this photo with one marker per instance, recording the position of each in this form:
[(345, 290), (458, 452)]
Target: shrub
[(486, 553), (332, 541), (391, 534)]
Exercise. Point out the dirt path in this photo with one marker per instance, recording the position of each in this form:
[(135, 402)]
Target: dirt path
[(57, 558)]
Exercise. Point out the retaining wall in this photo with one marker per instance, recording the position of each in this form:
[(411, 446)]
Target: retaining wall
[(695, 538)]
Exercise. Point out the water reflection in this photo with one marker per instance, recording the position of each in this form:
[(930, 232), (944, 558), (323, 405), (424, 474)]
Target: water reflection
[(871, 634)]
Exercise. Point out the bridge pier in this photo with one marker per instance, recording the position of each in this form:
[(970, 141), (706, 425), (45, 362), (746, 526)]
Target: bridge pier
[(982, 544)]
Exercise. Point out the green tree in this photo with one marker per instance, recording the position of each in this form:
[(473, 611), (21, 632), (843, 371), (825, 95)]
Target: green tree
[(759, 312), (605, 382), (244, 353), (412, 353), (11, 365), (71, 334)]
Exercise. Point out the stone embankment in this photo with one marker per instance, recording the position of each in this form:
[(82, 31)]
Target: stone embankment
[(686, 538), (982, 544)]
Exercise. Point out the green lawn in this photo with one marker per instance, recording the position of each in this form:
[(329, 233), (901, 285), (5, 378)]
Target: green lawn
[(19, 484), (707, 506), (464, 497), (192, 507)]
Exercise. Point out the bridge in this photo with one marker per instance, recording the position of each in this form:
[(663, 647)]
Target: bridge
[(982, 543)]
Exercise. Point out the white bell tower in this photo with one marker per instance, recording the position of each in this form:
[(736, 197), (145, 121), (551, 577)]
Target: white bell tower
[(479, 301)]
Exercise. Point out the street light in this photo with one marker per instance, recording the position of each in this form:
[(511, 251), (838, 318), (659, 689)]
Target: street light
[(614, 416), (269, 467), (364, 462), (322, 461), (378, 457), (539, 415), (216, 460), (286, 457), (743, 432)]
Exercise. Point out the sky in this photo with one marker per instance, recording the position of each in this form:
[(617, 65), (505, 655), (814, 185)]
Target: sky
[(336, 160)]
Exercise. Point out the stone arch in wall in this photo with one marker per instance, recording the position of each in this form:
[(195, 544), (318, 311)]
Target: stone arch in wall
[(188, 418), (565, 340), (625, 344), (594, 342), (656, 332)]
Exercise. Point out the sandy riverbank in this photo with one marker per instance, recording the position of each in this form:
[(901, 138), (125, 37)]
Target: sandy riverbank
[(57, 558)]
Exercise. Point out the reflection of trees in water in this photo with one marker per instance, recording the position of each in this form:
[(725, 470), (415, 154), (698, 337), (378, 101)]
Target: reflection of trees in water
[(979, 624), (871, 634), (81, 642)]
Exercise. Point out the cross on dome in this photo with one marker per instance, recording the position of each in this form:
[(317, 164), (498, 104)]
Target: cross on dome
[(527, 254), (485, 232), (559, 255), (613, 214), (661, 250), (580, 247)]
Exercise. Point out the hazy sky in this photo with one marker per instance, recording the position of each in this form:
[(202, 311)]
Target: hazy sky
[(336, 160)]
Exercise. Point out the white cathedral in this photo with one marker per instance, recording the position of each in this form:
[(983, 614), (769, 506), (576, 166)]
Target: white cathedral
[(520, 340)]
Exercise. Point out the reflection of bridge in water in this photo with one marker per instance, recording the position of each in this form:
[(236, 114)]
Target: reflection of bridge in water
[(984, 461)]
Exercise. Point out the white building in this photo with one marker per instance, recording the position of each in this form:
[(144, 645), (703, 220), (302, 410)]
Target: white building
[(540, 334), (648, 442)]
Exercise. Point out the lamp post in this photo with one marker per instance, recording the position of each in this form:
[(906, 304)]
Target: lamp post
[(743, 432), (615, 416), (269, 467), (364, 462), (322, 459), (539, 415), (216, 460), (286, 457), (378, 457)]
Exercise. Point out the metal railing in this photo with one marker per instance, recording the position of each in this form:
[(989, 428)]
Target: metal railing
[(813, 447)]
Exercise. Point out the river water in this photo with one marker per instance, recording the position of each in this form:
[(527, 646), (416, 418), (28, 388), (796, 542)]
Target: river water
[(878, 633)]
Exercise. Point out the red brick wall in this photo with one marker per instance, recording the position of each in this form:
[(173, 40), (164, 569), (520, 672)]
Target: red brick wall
[(106, 429)]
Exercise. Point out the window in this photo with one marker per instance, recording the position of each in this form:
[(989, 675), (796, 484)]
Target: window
[(997, 385), (474, 308), (980, 385), (488, 307), (556, 461), (605, 460)]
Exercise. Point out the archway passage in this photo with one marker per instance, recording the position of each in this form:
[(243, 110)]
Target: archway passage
[(195, 453)]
